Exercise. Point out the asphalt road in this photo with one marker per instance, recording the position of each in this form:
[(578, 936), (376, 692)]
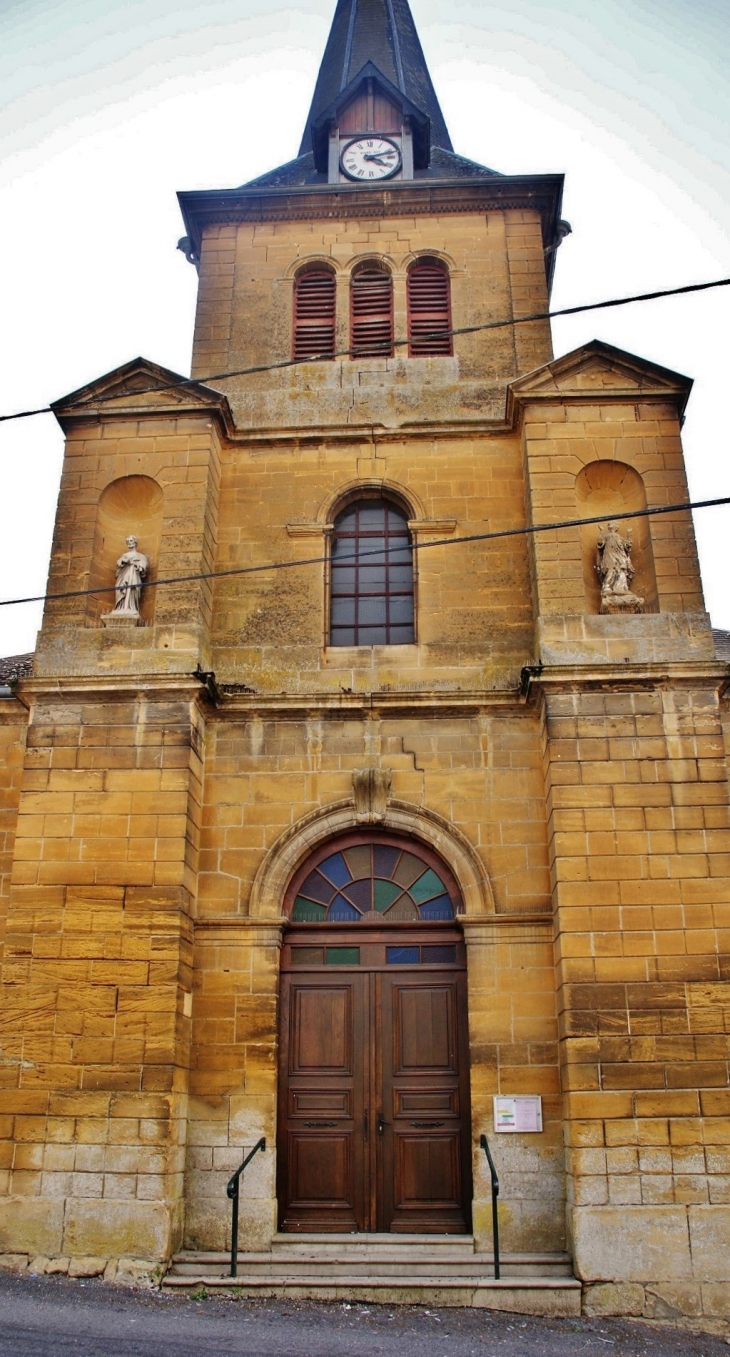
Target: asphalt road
[(56, 1317)]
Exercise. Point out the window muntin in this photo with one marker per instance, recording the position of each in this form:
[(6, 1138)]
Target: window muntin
[(371, 588), (429, 310), (385, 881), (314, 314), (371, 312)]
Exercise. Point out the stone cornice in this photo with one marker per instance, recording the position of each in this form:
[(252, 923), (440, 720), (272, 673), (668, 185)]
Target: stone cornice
[(101, 687), (438, 702), (407, 198), (573, 677), (366, 434)]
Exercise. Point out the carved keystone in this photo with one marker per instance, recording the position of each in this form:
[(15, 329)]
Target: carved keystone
[(371, 787)]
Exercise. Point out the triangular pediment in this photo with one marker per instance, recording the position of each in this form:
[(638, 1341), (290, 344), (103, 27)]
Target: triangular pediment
[(600, 369), (140, 386)]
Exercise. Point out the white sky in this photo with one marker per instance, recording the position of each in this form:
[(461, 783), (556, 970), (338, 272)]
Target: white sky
[(109, 106)]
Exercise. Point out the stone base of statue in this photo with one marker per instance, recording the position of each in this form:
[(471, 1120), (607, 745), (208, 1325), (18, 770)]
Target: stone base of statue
[(621, 603), (121, 619)]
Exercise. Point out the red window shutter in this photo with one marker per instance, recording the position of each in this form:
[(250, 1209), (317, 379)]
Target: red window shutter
[(429, 310), (314, 314), (371, 307)]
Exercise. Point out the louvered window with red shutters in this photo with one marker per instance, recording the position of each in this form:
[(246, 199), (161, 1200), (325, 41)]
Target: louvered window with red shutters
[(429, 309), (371, 313), (314, 314)]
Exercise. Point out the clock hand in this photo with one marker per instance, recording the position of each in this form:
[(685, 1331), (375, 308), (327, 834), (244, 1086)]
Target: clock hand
[(379, 156)]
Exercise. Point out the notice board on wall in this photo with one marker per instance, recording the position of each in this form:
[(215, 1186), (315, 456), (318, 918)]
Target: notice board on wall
[(522, 1113)]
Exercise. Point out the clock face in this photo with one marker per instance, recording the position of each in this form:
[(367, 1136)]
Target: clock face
[(367, 158)]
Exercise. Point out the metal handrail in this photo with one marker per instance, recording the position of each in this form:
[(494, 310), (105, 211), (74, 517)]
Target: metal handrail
[(232, 1192), (495, 1193)]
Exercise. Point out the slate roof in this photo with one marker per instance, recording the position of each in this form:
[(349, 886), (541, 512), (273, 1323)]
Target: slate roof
[(301, 172), (383, 32), (14, 667)]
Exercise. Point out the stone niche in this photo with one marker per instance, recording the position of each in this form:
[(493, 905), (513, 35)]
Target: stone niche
[(129, 505), (612, 488)]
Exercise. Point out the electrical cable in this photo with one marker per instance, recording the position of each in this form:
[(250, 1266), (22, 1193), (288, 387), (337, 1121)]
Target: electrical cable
[(182, 382), (392, 552)]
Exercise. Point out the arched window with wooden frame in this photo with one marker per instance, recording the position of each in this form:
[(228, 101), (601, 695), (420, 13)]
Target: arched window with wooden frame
[(371, 580), (371, 311), (429, 309), (314, 313)]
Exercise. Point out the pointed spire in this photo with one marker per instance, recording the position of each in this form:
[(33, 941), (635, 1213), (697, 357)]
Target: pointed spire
[(382, 32)]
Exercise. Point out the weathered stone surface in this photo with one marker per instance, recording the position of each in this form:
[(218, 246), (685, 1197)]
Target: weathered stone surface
[(709, 1232), (613, 1298), (716, 1299), (39, 1264), (631, 1244), (672, 1300), (135, 1272), (31, 1224), (87, 1267), (119, 1225), (13, 1262)]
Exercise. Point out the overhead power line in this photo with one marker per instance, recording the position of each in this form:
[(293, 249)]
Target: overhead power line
[(392, 552), (183, 382)]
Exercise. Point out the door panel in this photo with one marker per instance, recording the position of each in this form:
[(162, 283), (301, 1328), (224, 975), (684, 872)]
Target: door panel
[(427, 1172), (322, 1029), (425, 1140), (321, 1170), (323, 1058), (424, 1027), (374, 1128)]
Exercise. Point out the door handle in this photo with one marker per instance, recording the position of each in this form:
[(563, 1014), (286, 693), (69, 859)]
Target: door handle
[(381, 1124)]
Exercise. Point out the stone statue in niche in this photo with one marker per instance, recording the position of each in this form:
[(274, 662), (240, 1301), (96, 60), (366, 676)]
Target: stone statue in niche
[(615, 570), (371, 787), (132, 567)]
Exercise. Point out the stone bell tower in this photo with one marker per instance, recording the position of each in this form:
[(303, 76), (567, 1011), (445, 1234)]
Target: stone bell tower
[(301, 741)]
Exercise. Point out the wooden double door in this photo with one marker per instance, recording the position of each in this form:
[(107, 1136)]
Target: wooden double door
[(374, 1124)]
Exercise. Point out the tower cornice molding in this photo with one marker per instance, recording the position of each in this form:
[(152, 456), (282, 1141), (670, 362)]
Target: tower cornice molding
[(209, 207)]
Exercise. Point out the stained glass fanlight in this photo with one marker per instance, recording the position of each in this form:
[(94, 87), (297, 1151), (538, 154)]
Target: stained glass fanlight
[(374, 880)]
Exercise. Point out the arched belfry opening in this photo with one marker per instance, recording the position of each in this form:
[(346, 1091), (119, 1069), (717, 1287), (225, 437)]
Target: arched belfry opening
[(374, 1124)]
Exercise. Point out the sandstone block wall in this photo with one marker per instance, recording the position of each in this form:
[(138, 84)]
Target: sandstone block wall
[(473, 616), (97, 977), (13, 721), (245, 306), (640, 845)]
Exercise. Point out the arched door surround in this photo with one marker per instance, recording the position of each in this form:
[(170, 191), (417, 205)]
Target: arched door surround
[(286, 856), (374, 1125)]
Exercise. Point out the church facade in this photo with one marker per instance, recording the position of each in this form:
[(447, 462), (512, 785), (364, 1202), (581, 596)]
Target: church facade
[(342, 818)]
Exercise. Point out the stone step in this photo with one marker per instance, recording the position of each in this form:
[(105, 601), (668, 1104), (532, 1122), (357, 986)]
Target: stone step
[(326, 1260), (555, 1296), (355, 1245)]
